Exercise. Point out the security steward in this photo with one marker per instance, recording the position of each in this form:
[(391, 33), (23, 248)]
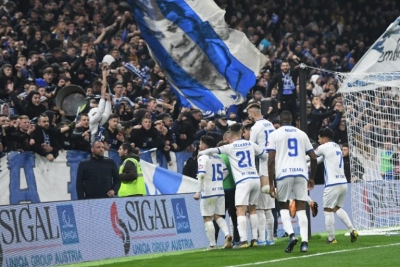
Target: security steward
[(130, 172)]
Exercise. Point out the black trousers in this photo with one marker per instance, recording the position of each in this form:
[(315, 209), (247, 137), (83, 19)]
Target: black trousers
[(231, 208), (290, 104)]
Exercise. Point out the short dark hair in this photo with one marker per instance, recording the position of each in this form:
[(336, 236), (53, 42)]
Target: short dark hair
[(194, 111), (235, 128), (285, 116), (128, 146), (326, 132), (113, 116), (247, 127), (82, 115), (207, 140), (345, 145)]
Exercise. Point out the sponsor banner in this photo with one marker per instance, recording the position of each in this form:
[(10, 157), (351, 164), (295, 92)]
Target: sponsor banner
[(58, 233), (30, 178), (145, 225), (70, 232), (44, 234)]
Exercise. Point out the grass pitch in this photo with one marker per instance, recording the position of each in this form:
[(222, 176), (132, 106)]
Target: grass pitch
[(366, 251)]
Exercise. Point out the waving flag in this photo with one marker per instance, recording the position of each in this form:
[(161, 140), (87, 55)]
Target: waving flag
[(208, 65), (384, 54), (382, 57)]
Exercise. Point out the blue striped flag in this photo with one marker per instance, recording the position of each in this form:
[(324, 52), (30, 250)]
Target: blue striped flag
[(208, 65)]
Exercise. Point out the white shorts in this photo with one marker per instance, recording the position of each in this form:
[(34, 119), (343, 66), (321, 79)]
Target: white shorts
[(296, 185), (334, 196), (263, 168), (247, 192), (212, 205), (265, 202)]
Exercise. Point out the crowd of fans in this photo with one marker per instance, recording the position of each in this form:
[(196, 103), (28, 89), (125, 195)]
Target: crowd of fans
[(47, 45)]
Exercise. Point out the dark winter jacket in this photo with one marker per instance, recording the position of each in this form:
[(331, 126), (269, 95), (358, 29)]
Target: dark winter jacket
[(97, 176)]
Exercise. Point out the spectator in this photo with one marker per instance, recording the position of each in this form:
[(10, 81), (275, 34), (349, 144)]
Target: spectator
[(81, 134), (97, 175), (144, 136), (359, 170), (17, 138), (113, 137), (44, 138), (31, 106), (286, 84)]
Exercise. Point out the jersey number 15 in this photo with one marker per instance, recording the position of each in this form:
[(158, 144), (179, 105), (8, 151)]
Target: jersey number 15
[(218, 174)]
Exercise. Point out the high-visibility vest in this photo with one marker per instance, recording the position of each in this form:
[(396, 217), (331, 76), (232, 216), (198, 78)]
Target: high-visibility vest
[(136, 187)]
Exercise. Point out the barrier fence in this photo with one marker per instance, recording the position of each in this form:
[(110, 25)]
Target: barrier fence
[(29, 178)]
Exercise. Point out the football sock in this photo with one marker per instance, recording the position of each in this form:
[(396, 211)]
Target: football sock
[(345, 218), (261, 225), (269, 224), (223, 226), (254, 225), (242, 228), (286, 221), (210, 232), (330, 224), (303, 223)]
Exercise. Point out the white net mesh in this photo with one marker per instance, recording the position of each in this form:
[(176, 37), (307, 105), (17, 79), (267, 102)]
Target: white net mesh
[(372, 117)]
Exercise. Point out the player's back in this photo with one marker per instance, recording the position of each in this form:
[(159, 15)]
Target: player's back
[(333, 161), (260, 131), (242, 159), (213, 167), (291, 146)]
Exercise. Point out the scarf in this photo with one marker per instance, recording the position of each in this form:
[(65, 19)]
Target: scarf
[(288, 85)]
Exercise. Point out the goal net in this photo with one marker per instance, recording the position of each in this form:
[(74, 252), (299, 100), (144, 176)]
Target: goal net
[(372, 111)]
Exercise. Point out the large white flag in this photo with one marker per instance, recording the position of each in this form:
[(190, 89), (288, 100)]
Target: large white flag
[(208, 65), (384, 54), (373, 69)]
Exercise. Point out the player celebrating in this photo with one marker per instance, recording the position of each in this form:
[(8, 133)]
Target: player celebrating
[(289, 146), (335, 185), (241, 155), (259, 133), (211, 173)]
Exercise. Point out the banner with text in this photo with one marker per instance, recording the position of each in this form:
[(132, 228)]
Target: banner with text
[(70, 232), (30, 178)]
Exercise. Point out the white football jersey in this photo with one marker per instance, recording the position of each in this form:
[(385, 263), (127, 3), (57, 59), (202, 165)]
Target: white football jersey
[(215, 171), (291, 146), (241, 154), (333, 161), (260, 131)]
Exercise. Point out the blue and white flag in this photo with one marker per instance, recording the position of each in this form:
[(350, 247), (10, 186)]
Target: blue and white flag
[(384, 54), (379, 66), (208, 65)]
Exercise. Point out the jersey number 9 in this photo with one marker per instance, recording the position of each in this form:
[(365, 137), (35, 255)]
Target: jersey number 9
[(293, 147)]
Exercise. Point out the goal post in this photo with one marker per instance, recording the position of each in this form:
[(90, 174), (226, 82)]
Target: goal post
[(372, 112)]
